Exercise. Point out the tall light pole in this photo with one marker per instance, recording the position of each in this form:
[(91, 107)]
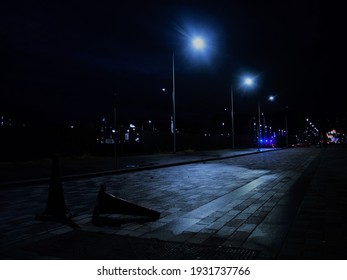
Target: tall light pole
[(258, 127), (115, 128), (286, 109), (198, 43), (232, 118), (249, 82), (264, 126), (173, 104), (271, 98)]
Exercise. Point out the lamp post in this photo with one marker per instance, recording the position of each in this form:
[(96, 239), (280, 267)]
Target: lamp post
[(115, 128), (258, 127), (198, 43), (249, 82), (232, 119), (173, 104), (264, 126), (270, 98), (286, 109)]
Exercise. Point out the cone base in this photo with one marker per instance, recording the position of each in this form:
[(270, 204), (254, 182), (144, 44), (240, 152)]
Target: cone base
[(110, 204)]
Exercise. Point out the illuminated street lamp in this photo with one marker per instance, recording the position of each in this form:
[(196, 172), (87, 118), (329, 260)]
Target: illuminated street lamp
[(286, 121), (270, 98), (248, 82), (197, 43), (258, 129), (115, 97)]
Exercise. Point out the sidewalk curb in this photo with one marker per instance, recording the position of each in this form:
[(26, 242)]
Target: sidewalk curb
[(40, 181)]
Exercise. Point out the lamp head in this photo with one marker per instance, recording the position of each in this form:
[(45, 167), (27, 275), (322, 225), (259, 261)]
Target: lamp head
[(198, 43)]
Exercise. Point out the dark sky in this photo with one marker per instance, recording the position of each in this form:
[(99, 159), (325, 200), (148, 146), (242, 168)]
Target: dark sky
[(62, 61)]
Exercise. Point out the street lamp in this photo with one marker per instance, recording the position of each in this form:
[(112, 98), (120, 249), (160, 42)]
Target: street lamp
[(270, 98), (258, 129), (173, 104), (286, 120), (232, 118), (198, 43), (248, 82), (115, 128)]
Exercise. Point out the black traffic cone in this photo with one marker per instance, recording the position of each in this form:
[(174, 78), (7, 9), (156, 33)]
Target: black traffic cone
[(56, 209), (110, 204)]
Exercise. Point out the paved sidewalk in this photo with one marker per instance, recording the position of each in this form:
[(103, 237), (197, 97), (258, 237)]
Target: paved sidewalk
[(282, 204)]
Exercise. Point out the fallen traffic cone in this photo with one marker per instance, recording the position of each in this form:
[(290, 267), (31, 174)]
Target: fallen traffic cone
[(56, 209), (110, 204)]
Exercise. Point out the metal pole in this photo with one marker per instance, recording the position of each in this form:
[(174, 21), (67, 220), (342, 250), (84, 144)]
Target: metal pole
[(264, 129), (232, 120), (258, 126), (115, 128), (287, 144), (173, 102)]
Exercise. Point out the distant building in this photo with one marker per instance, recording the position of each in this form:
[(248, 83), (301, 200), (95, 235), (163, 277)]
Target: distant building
[(5, 121), (106, 133)]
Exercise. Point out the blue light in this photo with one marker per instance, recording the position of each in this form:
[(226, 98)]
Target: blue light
[(248, 81), (198, 43)]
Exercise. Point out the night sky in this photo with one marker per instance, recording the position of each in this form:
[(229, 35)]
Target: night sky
[(62, 61)]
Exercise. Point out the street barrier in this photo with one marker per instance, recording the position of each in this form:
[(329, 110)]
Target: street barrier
[(56, 209), (110, 204)]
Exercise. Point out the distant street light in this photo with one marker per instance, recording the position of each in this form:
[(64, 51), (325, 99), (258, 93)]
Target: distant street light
[(270, 98), (198, 43), (248, 82)]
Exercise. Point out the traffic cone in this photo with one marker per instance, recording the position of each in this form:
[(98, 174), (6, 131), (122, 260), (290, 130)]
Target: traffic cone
[(56, 209), (110, 204)]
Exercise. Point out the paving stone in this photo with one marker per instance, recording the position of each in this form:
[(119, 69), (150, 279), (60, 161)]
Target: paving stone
[(233, 202), (247, 227)]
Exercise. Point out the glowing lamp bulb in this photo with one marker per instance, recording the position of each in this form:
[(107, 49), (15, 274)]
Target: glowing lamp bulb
[(198, 43), (248, 81)]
